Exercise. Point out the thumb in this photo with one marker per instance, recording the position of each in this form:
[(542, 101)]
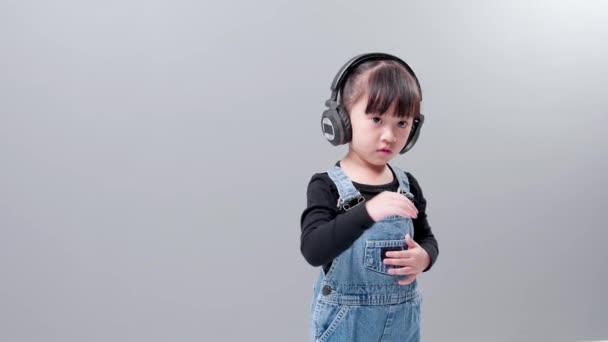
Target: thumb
[(410, 242)]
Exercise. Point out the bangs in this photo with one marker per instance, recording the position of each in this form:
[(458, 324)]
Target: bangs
[(388, 83)]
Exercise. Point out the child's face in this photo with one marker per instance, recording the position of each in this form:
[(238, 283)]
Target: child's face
[(377, 138)]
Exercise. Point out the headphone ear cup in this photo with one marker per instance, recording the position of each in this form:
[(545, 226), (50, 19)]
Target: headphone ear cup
[(413, 137), (332, 126), (335, 125)]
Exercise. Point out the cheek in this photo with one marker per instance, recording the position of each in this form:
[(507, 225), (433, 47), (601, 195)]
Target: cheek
[(361, 129), (406, 132)]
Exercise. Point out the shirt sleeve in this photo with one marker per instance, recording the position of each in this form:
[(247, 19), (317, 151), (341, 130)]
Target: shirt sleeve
[(324, 232), (423, 234)]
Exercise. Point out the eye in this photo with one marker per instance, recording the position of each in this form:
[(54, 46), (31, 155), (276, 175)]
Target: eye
[(402, 124), (376, 120)]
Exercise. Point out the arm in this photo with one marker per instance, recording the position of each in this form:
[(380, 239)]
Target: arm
[(423, 234), (325, 234)]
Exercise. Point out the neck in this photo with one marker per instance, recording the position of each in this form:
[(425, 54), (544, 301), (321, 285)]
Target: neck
[(363, 171)]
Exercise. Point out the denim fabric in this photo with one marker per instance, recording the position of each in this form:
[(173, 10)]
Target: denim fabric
[(357, 300)]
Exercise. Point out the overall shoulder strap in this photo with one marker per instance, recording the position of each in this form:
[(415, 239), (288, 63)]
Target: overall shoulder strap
[(349, 195)]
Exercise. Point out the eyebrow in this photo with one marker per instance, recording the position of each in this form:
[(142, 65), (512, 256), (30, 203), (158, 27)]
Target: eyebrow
[(404, 118)]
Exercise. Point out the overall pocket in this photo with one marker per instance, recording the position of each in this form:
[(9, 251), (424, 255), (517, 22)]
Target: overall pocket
[(375, 253), (327, 318)]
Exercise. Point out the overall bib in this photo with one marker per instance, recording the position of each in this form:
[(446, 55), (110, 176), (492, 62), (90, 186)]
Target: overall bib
[(357, 300)]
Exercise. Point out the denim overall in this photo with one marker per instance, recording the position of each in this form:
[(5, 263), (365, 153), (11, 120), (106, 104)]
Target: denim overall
[(357, 300)]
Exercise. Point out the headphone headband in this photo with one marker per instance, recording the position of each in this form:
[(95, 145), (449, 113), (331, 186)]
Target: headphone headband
[(342, 74)]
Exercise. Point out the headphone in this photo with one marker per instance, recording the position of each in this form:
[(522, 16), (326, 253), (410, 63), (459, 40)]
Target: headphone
[(335, 122)]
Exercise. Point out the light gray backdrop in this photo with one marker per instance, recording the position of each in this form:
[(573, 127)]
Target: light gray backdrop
[(155, 156)]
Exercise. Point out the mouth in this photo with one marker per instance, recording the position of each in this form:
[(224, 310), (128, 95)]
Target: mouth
[(384, 150)]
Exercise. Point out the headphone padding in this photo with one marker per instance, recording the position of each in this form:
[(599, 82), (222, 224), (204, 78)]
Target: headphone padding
[(346, 126)]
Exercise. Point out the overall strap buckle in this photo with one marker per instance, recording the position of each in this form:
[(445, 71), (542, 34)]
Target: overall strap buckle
[(407, 194), (347, 205)]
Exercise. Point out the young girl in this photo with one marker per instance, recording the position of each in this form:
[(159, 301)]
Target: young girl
[(365, 221)]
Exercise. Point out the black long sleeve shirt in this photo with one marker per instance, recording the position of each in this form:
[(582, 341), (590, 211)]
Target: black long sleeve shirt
[(327, 232)]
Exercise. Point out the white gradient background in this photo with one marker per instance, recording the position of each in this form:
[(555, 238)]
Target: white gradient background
[(143, 147)]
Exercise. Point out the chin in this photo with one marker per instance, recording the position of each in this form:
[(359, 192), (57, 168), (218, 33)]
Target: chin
[(373, 159), (378, 161)]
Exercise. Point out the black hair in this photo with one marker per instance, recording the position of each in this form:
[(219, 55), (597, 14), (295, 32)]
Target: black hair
[(383, 82)]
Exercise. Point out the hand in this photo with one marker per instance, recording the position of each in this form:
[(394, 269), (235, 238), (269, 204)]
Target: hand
[(414, 260), (389, 203)]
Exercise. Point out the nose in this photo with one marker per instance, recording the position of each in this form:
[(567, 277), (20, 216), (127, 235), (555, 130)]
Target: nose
[(388, 136)]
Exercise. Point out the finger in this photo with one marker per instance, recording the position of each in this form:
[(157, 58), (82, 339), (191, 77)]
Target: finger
[(410, 208), (400, 210), (401, 197), (405, 201), (407, 270), (399, 261), (407, 212), (407, 281), (396, 262), (409, 203), (405, 254), (410, 242), (413, 208)]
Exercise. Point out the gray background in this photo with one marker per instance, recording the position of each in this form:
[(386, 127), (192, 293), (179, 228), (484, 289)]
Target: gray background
[(155, 157)]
